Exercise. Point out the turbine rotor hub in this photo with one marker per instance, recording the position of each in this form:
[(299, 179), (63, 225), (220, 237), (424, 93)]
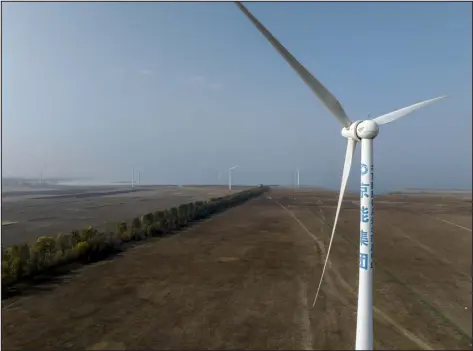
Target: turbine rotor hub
[(358, 130), (350, 132)]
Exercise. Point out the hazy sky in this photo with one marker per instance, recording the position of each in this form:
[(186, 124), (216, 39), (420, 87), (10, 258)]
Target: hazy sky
[(181, 89)]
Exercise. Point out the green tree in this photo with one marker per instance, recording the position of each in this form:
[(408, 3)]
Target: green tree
[(183, 213), (88, 234), (158, 215), (165, 221), (17, 260), (75, 237), (136, 223), (147, 219), (43, 252), (121, 227), (191, 211), (174, 218), (64, 242)]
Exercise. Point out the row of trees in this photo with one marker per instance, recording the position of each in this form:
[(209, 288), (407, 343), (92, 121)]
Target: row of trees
[(89, 245)]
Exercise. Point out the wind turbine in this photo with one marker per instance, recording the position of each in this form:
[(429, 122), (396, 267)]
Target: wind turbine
[(230, 177), (296, 179), (364, 131)]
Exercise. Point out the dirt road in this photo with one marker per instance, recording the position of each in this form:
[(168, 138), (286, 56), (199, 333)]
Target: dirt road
[(246, 280)]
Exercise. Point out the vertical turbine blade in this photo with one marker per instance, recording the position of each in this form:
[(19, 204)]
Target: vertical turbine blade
[(351, 145), (327, 98), (392, 116)]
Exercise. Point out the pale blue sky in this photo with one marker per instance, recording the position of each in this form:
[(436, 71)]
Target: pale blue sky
[(180, 89)]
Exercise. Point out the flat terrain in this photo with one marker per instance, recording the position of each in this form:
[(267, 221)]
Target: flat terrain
[(246, 279), (26, 215)]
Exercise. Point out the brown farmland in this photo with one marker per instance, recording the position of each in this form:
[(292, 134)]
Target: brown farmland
[(26, 217), (246, 278)]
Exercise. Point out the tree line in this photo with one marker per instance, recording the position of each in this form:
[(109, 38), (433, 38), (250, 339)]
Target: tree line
[(23, 261)]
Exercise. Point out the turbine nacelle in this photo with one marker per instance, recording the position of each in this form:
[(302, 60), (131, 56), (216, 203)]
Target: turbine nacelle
[(358, 130), (367, 129)]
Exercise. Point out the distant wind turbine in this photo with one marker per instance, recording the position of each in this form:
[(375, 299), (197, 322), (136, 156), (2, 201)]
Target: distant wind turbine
[(230, 177)]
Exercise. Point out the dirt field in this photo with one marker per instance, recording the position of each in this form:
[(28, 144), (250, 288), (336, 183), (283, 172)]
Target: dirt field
[(28, 215), (246, 280)]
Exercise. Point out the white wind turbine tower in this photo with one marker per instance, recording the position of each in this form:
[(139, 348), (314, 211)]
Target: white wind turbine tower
[(296, 182), (133, 182), (364, 131), (230, 177)]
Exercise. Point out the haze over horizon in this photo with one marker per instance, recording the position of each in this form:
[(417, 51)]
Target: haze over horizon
[(181, 90)]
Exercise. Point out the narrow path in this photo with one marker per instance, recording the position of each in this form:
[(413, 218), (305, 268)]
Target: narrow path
[(451, 223), (430, 298), (379, 313)]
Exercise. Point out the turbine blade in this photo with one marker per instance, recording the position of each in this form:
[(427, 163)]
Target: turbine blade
[(351, 145), (327, 98), (392, 116)]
